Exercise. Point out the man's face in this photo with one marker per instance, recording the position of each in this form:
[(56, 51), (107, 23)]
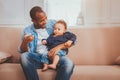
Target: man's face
[(41, 20)]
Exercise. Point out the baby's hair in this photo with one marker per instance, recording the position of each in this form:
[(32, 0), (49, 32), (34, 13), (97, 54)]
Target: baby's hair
[(62, 22)]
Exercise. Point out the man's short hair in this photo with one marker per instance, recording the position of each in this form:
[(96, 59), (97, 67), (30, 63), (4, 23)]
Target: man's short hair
[(34, 10)]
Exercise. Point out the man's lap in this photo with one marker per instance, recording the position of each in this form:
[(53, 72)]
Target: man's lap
[(64, 60)]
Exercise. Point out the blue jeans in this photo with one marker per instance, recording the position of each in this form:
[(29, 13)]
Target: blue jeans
[(45, 59), (30, 62)]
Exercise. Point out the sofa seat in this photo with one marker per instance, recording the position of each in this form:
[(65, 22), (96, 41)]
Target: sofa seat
[(13, 71), (96, 72)]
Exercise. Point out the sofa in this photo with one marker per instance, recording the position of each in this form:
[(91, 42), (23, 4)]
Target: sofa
[(96, 54)]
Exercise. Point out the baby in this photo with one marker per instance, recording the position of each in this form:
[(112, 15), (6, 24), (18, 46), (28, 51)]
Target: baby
[(59, 36)]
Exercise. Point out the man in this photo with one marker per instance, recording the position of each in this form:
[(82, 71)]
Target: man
[(30, 59)]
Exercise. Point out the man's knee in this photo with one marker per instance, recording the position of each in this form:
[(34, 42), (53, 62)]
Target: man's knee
[(24, 58), (67, 63)]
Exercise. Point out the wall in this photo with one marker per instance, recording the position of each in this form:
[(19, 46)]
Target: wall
[(96, 12), (16, 12), (101, 12)]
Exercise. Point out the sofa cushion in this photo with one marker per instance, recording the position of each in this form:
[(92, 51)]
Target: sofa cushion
[(17, 73), (4, 56), (9, 42), (96, 72), (81, 72)]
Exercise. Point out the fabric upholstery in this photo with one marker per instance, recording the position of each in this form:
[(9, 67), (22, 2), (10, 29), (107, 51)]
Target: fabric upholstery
[(4, 57), (94, 54), (10, 71), (9, 41), (96, 72), (117, 60)]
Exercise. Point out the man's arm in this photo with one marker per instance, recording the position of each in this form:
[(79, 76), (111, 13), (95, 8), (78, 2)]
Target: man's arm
[(55, 50), (24, 44)]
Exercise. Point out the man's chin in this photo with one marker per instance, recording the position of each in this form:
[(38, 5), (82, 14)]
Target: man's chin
[(44, 26)]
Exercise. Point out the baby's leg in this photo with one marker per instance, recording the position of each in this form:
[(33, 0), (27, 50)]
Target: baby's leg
[(55, 62), (44, 60), (45, 67)]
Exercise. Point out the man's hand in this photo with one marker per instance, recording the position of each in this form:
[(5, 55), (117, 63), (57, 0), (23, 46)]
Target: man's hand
[(28, 38), (68, 43), (54, 51)]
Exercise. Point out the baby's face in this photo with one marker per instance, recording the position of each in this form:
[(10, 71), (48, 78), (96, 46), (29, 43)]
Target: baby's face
[(59, 29)]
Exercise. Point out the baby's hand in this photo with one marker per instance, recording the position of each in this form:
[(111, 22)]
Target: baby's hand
[(68, 43), (44, 42)]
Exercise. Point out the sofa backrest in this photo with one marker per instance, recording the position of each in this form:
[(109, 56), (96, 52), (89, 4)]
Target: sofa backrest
[(9, 41), (95, 46), (99, 46)]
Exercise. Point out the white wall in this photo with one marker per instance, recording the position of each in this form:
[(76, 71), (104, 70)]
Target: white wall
[(15, 13), (67, 10), (95, 12), (101, 12)]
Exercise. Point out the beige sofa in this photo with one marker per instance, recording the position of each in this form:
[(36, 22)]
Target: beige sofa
[(94, 54)]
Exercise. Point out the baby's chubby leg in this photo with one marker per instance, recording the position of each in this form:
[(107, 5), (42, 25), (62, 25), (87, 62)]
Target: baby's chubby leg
[(55, 62), (45, 67)]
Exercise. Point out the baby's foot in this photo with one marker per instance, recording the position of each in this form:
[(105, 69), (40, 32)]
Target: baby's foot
[(52, 66), (44, 68)]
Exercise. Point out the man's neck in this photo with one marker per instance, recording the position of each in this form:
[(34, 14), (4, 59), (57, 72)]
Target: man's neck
[(37, 27)]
